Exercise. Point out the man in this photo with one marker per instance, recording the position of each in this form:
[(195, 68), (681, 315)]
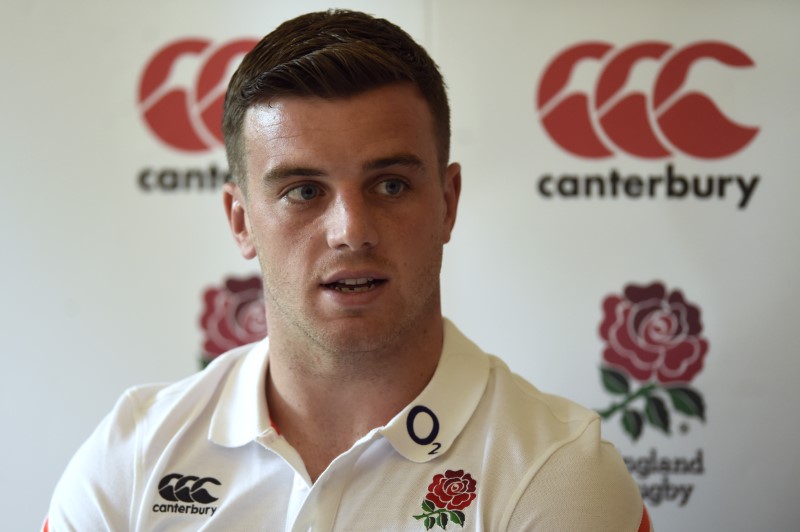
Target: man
[(364, 409)]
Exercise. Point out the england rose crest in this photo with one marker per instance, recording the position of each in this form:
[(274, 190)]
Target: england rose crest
[(654, 349), (448, 495)]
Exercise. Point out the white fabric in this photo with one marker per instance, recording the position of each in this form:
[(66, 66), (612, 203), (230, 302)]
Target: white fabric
[(537, 460)]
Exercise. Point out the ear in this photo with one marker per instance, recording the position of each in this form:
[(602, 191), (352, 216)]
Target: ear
[(452, 191), (233, 198)]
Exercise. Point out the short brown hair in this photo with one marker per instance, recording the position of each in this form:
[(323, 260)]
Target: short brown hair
[(331, 54)]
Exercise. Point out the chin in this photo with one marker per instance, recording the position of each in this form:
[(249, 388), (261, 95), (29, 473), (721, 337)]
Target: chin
[(355, 335), (357, 339)]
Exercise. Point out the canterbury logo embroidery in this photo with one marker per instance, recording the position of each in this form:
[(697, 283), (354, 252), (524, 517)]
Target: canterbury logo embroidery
[(644, 125), (186, 488)]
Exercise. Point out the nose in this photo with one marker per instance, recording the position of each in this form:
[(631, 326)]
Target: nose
[(350, 223)]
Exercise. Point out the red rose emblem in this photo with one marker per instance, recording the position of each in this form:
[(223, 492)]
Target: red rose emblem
[(447, 496), (233, 315), (454, 490), (652, 335)]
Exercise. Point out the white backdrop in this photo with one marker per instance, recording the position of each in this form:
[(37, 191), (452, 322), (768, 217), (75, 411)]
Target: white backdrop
[(103, 281)]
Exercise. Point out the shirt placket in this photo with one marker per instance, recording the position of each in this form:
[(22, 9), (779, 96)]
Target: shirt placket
[(319, 510), (298, 497)]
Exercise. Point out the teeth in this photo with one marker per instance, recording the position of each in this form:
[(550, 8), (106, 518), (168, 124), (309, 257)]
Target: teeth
[(353, 282), (354, 285), (354, 289)]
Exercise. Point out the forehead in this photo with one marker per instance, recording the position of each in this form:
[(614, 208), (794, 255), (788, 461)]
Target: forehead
[(375, 123)]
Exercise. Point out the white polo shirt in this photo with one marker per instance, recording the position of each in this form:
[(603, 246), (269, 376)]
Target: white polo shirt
[(480, 448)]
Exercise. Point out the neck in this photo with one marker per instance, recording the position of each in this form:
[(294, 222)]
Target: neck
[(323, 402)]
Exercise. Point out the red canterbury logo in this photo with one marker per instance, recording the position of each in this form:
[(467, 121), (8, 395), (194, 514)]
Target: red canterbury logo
[(189, 118), (649, 126)]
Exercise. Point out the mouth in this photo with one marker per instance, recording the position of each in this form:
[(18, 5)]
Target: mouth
[(351, 286)]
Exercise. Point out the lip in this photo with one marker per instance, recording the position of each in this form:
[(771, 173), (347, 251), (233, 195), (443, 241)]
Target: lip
[(345, 275), (353, 299)]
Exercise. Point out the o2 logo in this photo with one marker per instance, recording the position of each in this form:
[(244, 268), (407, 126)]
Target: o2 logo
[(189, 118), (635, 122), (424, 439)]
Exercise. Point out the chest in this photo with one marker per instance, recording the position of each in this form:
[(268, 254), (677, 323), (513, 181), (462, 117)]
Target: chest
[(252, 488)]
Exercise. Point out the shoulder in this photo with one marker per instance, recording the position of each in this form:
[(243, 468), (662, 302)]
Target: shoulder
[(583, 485), (148, 408), (571, 478), (544, 420), (543, 462), (99, 485)]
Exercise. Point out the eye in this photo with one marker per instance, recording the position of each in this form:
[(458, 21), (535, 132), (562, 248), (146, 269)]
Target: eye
[(391, 187), (305, 192)]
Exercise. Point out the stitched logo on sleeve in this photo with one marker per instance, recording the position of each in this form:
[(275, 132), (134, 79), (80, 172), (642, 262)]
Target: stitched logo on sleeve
[(448, 495), (177, 488)]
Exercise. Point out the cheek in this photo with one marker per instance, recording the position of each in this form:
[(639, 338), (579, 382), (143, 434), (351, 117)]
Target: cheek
[(272, 228), (427, 221), (282, 258)]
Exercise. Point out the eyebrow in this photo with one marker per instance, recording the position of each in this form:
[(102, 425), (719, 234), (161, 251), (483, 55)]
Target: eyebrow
[(282, 172), (402, 159)]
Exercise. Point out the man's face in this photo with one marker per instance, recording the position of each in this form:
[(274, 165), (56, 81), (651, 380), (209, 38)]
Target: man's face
[(347, 211)]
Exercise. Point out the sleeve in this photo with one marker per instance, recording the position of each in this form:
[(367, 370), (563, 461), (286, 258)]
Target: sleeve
[(96, 490), (583, 486)]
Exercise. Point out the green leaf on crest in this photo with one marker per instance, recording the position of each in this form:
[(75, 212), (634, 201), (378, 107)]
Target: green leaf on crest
[(656, 413), (457, 516), (614, 381), (428, 505), (688, 401), (633, 423)]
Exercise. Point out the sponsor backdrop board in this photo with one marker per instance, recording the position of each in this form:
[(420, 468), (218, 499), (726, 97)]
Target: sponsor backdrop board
[(627, 232)]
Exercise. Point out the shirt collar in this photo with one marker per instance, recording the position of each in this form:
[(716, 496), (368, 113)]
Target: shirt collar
[(241, 413), (422, 431), (429, 425)]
